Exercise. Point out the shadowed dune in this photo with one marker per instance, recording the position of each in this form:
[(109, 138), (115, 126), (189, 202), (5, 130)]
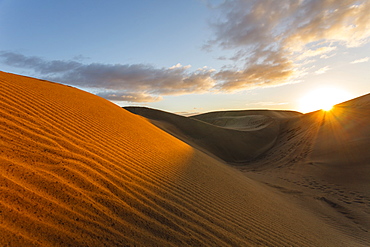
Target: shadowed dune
[(342, 145), (245, 120), (320, 160), (229, 144), (77, 170), (324, 158), (333, 145)]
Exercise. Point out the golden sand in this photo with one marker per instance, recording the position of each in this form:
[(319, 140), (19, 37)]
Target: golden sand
[(77, 170)]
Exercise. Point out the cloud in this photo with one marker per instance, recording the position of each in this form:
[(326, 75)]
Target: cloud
[(129, 97), (255, 75), (315, 52), (128, 82), (274, 39), (362, 60), (274, 43), (37, 64), (322, 70), (346, 22), (325, 56), (177, 66)]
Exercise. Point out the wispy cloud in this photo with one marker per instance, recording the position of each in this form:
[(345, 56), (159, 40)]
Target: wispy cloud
[(362, 60), (129, 97), (323, 70), (125, 82), (326, 56), (316, 52)]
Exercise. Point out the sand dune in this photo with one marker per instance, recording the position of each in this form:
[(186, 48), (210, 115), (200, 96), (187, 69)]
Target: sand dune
[(334, 144), (319, 160), (245, 120), (229, 144), (342, 144), (77, 170)]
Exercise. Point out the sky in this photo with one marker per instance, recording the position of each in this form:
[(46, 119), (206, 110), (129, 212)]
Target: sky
[(193, 56)]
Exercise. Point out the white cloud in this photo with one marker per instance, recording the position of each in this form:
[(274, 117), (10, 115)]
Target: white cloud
[(315, 52), (362, 60), (325, 56), (178, 66), (322, 70)]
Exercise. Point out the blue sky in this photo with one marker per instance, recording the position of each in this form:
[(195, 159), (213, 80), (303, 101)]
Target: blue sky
[(191, 56)]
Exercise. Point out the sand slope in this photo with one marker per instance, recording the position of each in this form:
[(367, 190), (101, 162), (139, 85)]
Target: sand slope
[(245, 120), (77, 170), (342, 144), (319, 160), (322, 160), (334, 145), (229, 144)]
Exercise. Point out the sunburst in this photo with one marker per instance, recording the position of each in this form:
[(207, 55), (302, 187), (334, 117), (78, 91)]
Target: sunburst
[(323, 99)]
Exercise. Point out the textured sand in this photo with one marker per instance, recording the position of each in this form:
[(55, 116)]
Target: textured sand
[(321, 160), (77, 170)]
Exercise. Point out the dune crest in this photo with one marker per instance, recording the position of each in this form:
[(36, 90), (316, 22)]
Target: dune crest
[(77, 170), (230, 143)]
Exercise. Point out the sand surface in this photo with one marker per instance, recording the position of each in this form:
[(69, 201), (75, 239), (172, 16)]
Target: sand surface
[(77, 170), (230, 144)]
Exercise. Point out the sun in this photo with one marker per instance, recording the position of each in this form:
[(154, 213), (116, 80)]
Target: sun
[(323, 99)]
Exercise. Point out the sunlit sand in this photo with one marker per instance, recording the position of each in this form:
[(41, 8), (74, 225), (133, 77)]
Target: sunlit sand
[(77, 170)]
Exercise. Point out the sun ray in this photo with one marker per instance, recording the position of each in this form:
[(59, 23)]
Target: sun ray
[(322, 99)]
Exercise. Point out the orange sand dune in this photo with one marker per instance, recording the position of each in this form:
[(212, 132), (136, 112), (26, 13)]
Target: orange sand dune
[(77, 170)]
